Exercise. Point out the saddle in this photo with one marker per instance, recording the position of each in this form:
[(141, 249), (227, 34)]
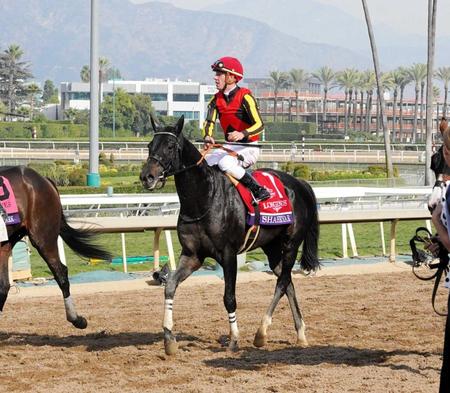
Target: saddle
[(276, 210)]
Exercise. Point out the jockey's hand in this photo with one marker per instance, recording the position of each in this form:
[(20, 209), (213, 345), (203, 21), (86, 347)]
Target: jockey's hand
[(235, 136), (436, 195), (208, 140)]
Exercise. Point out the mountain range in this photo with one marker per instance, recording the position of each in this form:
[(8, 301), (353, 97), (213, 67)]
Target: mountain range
[(160, 40)]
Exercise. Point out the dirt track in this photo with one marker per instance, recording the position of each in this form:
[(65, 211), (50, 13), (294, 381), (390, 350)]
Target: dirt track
[(367, 333)]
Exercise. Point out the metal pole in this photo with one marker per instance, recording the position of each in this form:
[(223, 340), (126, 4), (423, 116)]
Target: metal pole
[(303, 148), (93, 177), (114, 106)]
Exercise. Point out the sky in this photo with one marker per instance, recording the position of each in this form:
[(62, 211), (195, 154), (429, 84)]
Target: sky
[(403, 15)]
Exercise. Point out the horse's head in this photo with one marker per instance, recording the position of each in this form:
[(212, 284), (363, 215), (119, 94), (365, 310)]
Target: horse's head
[(164, 155)]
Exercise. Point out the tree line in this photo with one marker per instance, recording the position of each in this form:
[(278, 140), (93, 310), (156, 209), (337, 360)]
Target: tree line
[(359, 88), (20, 98)]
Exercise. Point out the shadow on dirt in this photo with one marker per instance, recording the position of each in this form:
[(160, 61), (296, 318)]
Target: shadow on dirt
[(101, 341), (249, 358)]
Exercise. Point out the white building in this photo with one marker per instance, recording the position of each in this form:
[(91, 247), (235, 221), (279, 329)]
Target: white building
[(172, 98)]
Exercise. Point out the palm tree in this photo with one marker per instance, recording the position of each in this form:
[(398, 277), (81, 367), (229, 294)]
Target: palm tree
[(277, 81), (400, 80), (443, 74), (417, 73), (387, 83), (85, 74), (297, 79), (104, 69), (359, 89), (13, 75), (326, 76), (369, 83), (387, 141), (406, 80), (430, 64), (346, 80), (32, 90)]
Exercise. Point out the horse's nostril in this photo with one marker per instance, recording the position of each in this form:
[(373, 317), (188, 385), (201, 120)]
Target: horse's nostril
[(146, 178)]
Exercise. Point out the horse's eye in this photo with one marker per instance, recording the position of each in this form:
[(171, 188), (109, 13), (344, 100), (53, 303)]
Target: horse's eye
[(149, 146)]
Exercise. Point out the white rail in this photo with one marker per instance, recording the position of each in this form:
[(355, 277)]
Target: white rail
[(337, 205)]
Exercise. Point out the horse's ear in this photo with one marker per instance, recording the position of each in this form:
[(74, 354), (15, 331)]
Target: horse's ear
[(179, 125), (155, 124)]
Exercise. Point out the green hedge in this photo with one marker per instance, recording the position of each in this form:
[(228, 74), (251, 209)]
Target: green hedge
[(303, 171), (54, 130)]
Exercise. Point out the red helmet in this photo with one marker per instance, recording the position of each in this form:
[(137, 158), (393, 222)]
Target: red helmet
[(231, 65)]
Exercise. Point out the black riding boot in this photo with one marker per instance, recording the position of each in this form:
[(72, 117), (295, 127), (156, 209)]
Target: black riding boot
[(260, 193)]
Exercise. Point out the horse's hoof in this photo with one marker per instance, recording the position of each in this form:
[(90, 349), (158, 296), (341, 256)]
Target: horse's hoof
[(170, 347), (302, 343), (80, 323), (233, 346), (260, 340)]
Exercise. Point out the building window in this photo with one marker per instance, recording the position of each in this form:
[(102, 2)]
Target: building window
[(78, 95), (157, 96), (208, 97), (188, 115), (185, 97)]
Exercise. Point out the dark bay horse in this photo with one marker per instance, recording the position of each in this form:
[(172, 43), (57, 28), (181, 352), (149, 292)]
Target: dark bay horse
[(212, 224), (42, 220)]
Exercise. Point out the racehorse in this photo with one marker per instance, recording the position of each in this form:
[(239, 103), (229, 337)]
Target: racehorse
[(212, 224), (42, 220)]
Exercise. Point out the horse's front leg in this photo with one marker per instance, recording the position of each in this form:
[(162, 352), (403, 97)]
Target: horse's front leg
[(229, 299), (186, 266), (5, 252)]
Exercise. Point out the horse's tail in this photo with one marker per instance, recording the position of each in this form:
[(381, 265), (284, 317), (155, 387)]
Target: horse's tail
[(79, 240), (310, 260)]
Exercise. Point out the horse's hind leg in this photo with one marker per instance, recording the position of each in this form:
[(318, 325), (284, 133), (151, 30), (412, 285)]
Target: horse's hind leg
[(281, 264), (5, 252), (51, 256)]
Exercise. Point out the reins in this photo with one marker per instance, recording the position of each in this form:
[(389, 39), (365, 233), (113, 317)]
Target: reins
[(419, 258)]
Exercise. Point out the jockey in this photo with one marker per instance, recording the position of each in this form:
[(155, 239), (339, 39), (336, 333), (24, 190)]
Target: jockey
[(441, 171), (241, 122)]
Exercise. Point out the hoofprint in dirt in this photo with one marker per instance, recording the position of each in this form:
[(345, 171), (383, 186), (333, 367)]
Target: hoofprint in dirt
[(371, 333)]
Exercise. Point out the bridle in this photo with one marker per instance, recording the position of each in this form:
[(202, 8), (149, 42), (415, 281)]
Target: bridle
[(165, 174), (166, 168)]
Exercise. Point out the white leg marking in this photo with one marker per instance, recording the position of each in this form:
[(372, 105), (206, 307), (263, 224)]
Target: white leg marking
[(71, 312), (168, 321), (301, 333), (234, 331)]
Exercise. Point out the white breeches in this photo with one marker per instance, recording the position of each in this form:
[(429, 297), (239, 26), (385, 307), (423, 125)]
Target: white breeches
[(230, 164)]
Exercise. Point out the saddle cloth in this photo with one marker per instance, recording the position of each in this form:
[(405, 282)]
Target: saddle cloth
[(8, 202), (276, 210)]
